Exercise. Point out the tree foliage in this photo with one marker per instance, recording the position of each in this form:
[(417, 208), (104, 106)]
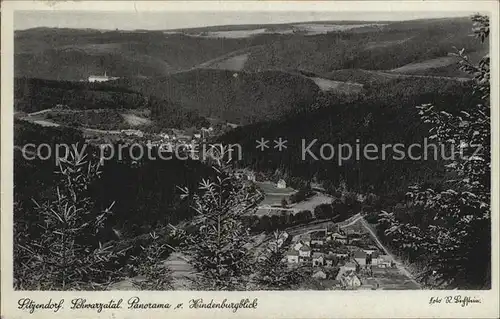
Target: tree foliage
[(455, 240), (149, 264), (273, 271), (218, 248), (67, 242), (69, 252)]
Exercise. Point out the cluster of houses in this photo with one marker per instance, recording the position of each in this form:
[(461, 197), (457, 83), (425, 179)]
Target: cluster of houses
[(131, 132), (250, 175), (351, 253), (245, 174), (172, 141)]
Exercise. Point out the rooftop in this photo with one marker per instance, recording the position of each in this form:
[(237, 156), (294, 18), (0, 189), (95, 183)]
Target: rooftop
[(385, 257), (305, 248), (305, 237), (350, 265), (318, 235), (292, 252), (338, 235), (359, 254)]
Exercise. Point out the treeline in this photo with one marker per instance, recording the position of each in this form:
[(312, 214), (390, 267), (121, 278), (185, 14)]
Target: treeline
[(26, 132), (167, 114), (386, 114), (32, 95)]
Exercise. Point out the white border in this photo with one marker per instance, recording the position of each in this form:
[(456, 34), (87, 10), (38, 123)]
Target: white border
[(292, 304)]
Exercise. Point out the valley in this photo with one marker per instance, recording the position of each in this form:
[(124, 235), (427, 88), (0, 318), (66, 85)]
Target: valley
[(314, 224)]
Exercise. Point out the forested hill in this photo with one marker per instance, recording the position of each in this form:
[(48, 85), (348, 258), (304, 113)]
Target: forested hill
[(387, 114), (321, 47), (33, 95), (239, 97)]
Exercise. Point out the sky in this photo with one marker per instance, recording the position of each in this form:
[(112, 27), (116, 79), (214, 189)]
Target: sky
[(176, 20)]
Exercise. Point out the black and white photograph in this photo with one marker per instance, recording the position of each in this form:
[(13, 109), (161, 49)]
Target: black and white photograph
[(251, 151)]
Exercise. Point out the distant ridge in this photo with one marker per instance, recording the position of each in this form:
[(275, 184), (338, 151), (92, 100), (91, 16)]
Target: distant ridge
[(224, 27)]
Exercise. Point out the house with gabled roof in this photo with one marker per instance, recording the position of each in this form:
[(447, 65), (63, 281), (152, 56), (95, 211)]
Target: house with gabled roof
[(292, 256), (339, 238), (318, 238), (297, 245), (375, 256), (360, 257), (306, 238), (330, 259), (318, 259), (305, 251), (384, 261)]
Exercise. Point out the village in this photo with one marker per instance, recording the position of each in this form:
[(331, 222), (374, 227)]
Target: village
[(169, 140), (347, 258), (334, 255), (172, 140)]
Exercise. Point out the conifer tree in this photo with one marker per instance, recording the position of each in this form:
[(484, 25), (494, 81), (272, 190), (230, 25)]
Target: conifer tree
[(219, 247), (71, 251)]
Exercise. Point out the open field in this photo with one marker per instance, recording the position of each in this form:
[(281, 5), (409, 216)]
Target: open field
[(273, 194), (320, 47), (319, 28), (337, 86), (311, 202), (235, 63), (135, 120), (425, 65), (383, 44), (45, 123), (308, 204), (98, 119), (302, 28), (233, 34), (271, 188), (272, 200)]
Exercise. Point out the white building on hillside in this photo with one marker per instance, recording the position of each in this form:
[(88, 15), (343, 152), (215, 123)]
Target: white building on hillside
[(101, 78), (292, 256)]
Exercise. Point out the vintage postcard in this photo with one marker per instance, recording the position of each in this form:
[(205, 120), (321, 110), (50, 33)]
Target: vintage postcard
[(250, 159)]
